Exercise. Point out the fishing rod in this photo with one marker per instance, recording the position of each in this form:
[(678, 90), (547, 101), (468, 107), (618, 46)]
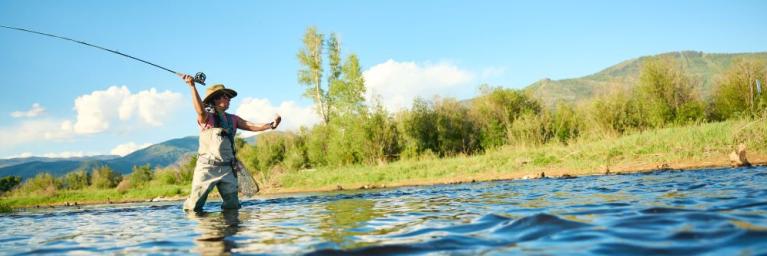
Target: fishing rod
[(198, 78)]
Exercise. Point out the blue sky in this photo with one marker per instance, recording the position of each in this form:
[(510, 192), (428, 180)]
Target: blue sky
[(63, 99)]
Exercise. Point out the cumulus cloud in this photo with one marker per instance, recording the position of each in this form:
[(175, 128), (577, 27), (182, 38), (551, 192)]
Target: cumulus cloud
[(262, 111), (399, 83), (34, 130), (96, 112), (127, 148), (36, 110)]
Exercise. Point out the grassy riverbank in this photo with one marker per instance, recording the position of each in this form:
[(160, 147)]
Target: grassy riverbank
[(694, 146)]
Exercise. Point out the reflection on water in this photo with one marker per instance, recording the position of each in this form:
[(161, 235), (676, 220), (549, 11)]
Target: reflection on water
[(717, 212), (216, 230)]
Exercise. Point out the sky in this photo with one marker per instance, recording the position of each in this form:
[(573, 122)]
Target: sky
[(63, 99)]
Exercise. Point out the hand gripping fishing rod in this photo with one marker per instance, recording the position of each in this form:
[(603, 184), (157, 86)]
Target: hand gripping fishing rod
[(198, 78)]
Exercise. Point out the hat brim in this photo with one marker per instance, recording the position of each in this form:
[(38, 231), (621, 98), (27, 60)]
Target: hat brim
[(229, 92)]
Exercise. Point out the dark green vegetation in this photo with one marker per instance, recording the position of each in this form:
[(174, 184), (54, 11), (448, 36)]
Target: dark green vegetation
[(680, 107)]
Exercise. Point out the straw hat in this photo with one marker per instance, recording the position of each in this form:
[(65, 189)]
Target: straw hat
[(215, 90)]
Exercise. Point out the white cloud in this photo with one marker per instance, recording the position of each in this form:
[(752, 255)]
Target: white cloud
[(68, 154), (36, 110), (65, 154), (34, 130), (127, 148), (398, 83), (96, 112), (262, 111)]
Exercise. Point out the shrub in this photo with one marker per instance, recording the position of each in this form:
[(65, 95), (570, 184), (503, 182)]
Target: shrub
[(140, 176), (9, 182), (78, 179), (43, 183), (104, 177), (735, 93)]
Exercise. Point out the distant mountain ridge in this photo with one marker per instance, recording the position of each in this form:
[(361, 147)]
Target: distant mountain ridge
[(704, 67), (157, 155), (21, 160)]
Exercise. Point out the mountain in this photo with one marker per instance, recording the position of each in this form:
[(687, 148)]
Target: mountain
[(703, 67), (21, 160), (158, 155)]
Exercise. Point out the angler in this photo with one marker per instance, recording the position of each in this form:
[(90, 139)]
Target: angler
[(217, 165)]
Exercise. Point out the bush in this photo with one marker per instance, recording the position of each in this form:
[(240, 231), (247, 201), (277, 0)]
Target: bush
[(74, 180), (42, 183), (140, 176), (167, 176), (9, 182), (496, 109), (735, 94), (665, 89), (186, 171), (104, 177), (381, 143), (566, 124)]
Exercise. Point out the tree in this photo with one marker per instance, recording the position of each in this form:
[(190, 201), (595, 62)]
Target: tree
[(346, 86), (666, 90), (736, 94), (104, 177), (310, 74), (140, 175), (9, 182), (347, 94), (496, 109), (76, 180)]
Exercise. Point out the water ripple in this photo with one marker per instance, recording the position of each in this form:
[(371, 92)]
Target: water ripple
[(715, 211)]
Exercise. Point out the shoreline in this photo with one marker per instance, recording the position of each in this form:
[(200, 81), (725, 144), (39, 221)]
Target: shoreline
[(551, 173)]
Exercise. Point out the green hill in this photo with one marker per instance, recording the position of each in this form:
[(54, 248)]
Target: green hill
[(703, 67), (158, 155)]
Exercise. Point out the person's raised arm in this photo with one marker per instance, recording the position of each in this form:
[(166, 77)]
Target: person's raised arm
[(196, 101), (253, 127)]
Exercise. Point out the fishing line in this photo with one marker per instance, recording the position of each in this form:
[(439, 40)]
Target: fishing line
[(198, 78)]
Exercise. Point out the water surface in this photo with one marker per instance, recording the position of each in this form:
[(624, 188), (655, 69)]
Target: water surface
[(715, 212)]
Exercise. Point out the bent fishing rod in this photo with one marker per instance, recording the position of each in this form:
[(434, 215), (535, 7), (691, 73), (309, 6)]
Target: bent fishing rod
[(198, 78)]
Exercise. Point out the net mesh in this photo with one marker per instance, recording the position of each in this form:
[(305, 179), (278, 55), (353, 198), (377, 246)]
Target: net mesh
[(246, 184)]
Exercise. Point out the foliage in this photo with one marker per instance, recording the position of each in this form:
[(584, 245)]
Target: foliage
[(77, 179), (9, 182), (104, 177), (496, 109), (310, 74), (736, 94), (667, 93), (42, 183), (141, 175)]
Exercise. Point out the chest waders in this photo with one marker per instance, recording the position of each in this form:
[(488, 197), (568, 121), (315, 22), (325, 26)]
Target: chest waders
[(214, 169)]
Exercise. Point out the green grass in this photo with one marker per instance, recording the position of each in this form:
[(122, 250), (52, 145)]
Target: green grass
[(695, 144)]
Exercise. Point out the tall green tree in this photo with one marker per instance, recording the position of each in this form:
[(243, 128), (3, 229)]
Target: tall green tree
[(345, 85), (310, 73), (347, 93)]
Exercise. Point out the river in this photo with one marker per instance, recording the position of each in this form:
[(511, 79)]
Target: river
[(713, 211)]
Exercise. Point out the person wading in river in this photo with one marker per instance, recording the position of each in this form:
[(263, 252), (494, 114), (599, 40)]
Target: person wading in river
[(216, 161)]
